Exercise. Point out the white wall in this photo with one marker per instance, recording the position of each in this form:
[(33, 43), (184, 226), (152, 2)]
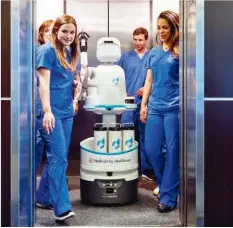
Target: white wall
[(161, 5), (48, 10)]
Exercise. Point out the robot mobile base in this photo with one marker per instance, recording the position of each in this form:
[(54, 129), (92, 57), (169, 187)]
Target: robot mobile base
[(108, 179)]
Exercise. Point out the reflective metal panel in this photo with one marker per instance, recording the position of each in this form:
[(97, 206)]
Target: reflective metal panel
[(92, 16), (0, 103), (191, 114), (22, 203), (183, 152), (200, 112), (125, 17), (191, 111)]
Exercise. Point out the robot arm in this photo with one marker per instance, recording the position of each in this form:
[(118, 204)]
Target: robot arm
[(83, 38)]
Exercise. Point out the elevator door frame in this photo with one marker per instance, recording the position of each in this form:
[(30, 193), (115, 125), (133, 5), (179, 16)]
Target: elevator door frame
[(184, 153)]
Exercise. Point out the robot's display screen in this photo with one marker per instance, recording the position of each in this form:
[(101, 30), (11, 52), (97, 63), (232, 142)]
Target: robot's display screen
[(108, 41), (109, 190)]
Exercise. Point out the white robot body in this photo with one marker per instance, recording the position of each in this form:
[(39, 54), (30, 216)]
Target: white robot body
[(111, 85), (108, 177), (109, 80)]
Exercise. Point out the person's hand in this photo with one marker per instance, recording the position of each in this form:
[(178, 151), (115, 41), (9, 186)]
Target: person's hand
[(48, 122), (143, 114), (75, 106), (77, 80), (78, 89), (140, 92)]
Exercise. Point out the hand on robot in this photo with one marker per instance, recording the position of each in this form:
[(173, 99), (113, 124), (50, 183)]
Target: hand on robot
[(140, 92), (78, 89)]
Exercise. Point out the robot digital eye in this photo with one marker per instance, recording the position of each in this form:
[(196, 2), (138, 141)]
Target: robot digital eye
[(109, 109), (108, 41)]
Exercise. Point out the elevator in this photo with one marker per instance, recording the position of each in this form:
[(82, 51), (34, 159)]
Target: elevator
[(117, 18)]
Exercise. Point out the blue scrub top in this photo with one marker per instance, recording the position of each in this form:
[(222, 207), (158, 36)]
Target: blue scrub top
[(164, 95), (135, 72), (61, 82)]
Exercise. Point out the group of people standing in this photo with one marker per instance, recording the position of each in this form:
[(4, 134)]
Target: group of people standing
[(152, 77)]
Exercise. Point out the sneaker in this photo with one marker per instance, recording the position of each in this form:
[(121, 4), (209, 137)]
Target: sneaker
[(42, 206), (148, 177), (156, 191), (165, 208), (64, 216)]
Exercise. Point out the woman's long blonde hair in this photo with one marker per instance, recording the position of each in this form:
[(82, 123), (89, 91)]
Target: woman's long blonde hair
[(65, 19)]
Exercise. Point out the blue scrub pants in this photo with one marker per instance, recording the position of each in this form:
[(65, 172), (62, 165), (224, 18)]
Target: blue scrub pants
[(127, 117), (160, 127), (53, 186), (39, 147)]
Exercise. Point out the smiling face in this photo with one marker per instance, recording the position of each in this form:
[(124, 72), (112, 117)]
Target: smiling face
[(66, 34), (163, 30)]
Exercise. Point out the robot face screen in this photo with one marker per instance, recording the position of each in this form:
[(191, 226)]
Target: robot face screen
[(108, 50)]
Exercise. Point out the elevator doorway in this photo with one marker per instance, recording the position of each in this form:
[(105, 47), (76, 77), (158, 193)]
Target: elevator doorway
[(118, 19), (110, 19)]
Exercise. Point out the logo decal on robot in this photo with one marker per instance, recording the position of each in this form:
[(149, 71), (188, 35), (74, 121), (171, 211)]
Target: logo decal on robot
[(115, 81), (101, 143), (91, 160), (129, 142), (116, 144)]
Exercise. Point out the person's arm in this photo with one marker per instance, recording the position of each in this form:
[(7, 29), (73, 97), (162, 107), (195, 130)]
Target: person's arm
[(147, 88), (145, 96), (77, 92), (44, 64), (44, 79), (77, 86)]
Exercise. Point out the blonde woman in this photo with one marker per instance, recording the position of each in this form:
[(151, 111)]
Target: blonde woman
[(56, 64)]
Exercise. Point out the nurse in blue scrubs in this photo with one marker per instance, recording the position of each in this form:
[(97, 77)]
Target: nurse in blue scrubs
[(56, 63), (160, 109), (134, 65), (44, 35)]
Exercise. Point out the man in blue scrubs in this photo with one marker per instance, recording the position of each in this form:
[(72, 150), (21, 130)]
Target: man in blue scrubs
[(134, 64)]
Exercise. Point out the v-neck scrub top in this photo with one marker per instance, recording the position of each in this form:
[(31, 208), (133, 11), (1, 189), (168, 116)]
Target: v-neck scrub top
[(61, 81), (164, 95)]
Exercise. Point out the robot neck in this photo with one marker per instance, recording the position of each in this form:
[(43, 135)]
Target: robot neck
[(108, 63)]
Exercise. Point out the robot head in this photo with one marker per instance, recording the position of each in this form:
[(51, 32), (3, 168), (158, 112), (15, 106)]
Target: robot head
[(108, 49)]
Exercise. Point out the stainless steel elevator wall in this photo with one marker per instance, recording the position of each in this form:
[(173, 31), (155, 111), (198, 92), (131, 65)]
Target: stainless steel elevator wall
[(191, 106)]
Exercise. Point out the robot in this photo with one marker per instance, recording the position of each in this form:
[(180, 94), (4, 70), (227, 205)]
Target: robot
[(106, 176)]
